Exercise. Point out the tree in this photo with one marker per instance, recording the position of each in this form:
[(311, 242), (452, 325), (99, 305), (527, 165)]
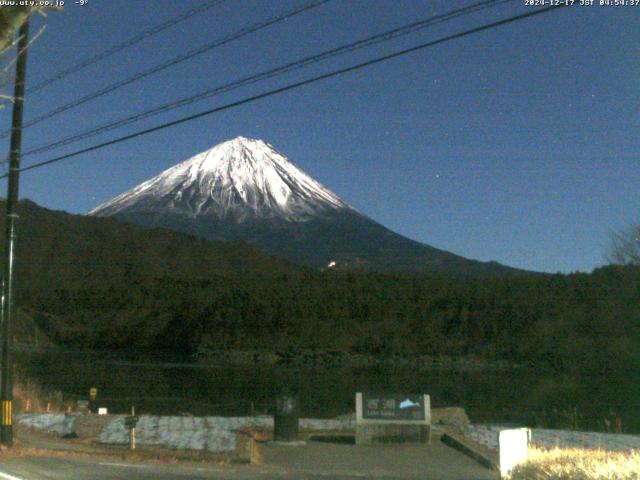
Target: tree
[(11, 18), (625, 246)]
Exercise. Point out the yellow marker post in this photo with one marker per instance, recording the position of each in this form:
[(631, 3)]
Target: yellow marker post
[(7, 412)]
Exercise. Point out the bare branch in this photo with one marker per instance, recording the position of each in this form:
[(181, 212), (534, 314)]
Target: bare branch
[(625, 247), (15, 58)]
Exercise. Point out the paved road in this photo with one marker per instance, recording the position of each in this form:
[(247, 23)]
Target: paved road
[(434, 461), (49, 468), (314, 461), (82, 469)]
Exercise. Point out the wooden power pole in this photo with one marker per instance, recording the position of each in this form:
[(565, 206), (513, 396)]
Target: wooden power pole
[(8, 293)]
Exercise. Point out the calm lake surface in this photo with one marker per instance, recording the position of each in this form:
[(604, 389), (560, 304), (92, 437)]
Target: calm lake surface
[(518, 396)]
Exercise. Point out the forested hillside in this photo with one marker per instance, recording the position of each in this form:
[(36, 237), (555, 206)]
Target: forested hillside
[(96, 283), (555, 321)]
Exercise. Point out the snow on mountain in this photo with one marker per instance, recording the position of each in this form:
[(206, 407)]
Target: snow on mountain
[(244, 190), (238, 180)]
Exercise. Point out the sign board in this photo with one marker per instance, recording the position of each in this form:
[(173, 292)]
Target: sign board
[(93, 393), (130, 422), (102, 411), (513, 446), (393, 408), (392, 418)]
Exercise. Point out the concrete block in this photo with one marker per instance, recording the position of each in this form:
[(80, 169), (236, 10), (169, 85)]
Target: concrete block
[(371, 433)]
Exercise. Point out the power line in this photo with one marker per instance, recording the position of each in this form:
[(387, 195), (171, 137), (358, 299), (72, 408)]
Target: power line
[(286, 68), (174, 61), (126, 44), (292, 86)]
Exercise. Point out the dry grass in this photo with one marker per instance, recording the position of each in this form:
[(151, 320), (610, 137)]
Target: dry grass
[(577, 464), (29, 397)]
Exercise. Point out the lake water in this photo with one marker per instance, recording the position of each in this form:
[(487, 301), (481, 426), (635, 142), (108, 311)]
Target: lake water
[(518, 396)]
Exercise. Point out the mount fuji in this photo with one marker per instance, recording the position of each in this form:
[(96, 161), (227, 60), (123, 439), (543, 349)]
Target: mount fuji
[(243, 189)]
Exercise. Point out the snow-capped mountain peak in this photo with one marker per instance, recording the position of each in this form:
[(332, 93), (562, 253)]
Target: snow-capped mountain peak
[(237, 180), (244, 190)]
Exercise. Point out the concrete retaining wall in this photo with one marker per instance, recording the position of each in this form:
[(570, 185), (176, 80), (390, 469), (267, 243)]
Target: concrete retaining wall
[(212, 434)]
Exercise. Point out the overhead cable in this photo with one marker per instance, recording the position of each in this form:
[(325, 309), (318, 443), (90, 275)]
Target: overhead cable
[(280, 70), (98, 57), (174, 61), (270, 93)]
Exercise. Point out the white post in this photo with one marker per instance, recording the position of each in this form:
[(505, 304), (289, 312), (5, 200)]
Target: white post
[(513, 447), (132, 431)]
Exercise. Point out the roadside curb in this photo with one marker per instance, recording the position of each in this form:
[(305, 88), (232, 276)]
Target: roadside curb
[(481, 454)]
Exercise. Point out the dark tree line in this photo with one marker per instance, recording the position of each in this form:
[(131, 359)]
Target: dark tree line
[(554, 321)]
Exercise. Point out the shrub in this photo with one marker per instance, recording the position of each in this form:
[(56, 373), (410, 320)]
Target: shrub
[(577, 464)]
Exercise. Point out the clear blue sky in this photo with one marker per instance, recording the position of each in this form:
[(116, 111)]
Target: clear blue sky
[(518, 145)]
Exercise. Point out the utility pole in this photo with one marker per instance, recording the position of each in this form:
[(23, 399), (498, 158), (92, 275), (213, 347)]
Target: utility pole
[(8, 294)]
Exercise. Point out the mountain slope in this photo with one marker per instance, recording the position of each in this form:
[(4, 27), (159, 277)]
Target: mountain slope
[(243, 189), (59, 250)]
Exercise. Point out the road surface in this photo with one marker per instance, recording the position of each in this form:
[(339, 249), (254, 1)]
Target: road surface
[(45, 468), (297, 466), (313, 461)]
